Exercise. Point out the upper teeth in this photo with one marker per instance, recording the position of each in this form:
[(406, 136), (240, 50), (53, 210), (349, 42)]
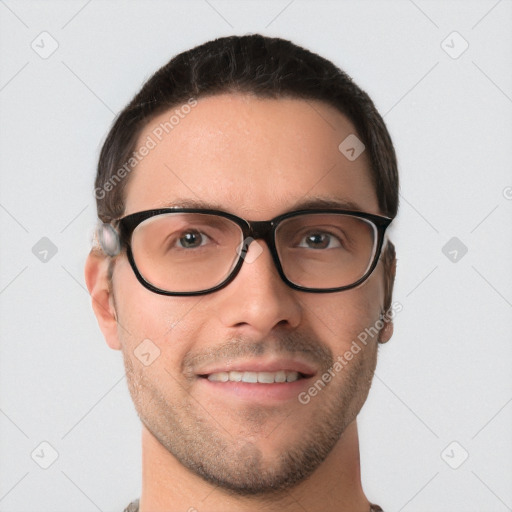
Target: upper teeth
[(262, 377)]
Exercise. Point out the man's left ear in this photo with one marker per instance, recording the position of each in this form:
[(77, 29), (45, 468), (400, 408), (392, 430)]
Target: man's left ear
[(386, 332), (389, 264)]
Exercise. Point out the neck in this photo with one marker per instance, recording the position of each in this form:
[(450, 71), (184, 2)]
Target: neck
[(335, 486)]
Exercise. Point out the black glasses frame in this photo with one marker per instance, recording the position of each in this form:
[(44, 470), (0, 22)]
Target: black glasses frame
[(257, 230)]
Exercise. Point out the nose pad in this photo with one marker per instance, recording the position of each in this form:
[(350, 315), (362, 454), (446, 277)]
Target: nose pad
[(250, 249)]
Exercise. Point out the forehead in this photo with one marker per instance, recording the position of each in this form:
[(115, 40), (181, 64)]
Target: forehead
[(249, 156)]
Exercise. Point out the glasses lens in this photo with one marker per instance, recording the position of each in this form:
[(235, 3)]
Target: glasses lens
[(186, 252), (326, 250)]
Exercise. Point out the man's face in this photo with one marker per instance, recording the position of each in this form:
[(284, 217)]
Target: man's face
[(255, 158)]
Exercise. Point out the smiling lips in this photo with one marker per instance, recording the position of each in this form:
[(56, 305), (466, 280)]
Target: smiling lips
[(260, 372), (255, 377)]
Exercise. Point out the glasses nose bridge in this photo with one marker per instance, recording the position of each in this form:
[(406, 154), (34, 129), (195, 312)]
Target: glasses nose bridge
[(261, 230)]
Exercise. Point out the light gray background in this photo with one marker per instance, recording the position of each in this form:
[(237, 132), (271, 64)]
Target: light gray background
[(446, 374)]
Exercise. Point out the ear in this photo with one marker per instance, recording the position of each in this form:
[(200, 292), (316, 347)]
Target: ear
[(386, 332), (389, 267), (96, 279), (389, 263)]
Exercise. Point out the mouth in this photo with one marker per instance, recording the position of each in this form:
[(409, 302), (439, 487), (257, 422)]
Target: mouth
[(263, 381), (256, 377)]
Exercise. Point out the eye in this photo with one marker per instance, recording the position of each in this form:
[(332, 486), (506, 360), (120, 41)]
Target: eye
[(321, 240), (192, 239)]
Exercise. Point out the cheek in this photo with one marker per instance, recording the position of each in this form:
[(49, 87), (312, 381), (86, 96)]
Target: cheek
[(142, 314), (343, 316)]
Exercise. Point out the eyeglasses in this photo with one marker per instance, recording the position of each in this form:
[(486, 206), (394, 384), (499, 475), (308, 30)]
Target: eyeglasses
[(189, 251)]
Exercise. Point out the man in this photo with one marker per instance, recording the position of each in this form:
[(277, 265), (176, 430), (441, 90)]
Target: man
[(249, 348)]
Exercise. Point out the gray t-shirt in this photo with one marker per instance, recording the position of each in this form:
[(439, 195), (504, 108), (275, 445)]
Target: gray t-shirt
[(134, 507)]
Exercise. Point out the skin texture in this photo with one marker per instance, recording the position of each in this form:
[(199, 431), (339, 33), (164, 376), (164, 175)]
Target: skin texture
[(256, 158)]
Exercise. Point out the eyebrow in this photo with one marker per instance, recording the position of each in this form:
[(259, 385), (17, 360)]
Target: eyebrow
[(310, 203), (326, 202)]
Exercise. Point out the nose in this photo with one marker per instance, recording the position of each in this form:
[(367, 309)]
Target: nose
[(258, 300)]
